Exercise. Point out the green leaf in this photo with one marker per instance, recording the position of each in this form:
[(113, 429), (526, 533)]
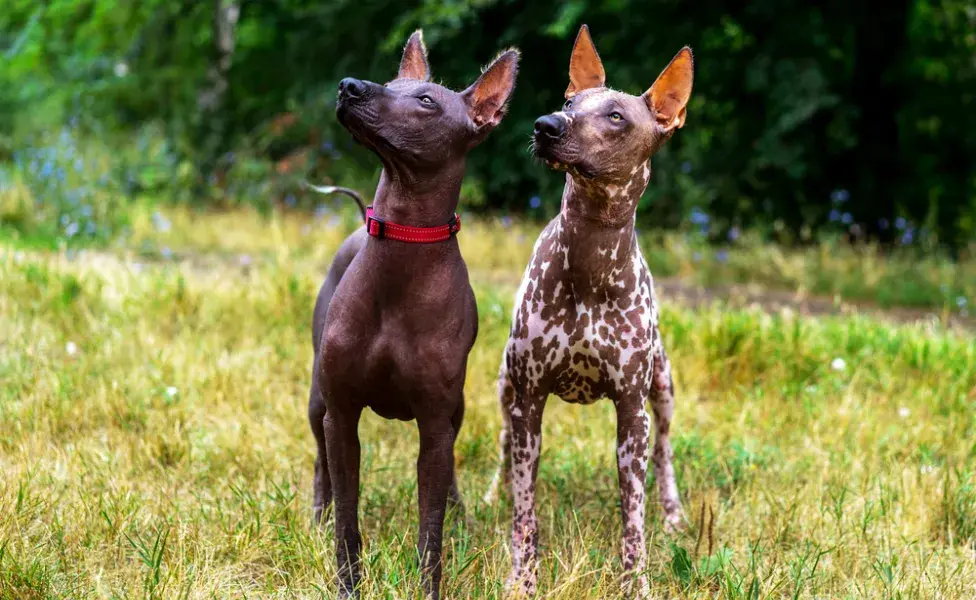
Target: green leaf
[(566, 20), (681, 564)]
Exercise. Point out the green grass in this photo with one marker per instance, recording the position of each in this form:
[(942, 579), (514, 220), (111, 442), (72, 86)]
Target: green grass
[(909, 277), (154, 443)]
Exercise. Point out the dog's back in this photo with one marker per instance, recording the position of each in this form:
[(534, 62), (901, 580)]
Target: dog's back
[(340, 263)]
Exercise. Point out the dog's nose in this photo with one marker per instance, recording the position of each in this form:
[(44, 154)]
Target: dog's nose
[(351, 87), (550, 126)]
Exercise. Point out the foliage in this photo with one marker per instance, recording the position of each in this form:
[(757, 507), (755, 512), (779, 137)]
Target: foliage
[(838, 116)]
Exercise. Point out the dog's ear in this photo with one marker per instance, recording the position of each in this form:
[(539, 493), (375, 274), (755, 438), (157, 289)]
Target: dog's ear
[(669, 95), (585, 67), (414, 65), (488, 97)]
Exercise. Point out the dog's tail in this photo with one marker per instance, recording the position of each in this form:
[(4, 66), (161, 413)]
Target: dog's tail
[(334, 189)]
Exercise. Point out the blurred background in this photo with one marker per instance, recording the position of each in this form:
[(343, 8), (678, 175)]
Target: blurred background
[(844, 120)]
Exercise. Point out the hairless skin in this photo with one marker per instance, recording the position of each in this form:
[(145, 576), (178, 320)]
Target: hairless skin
[(394, 321), (585, 324)]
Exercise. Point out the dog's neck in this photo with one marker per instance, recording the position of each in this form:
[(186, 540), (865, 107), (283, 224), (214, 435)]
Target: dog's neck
[(597, 228), (418, 201), (606, 203)]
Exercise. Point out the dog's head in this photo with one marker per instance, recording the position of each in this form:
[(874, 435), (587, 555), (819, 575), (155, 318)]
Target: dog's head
[(414, 124), (605, 135)]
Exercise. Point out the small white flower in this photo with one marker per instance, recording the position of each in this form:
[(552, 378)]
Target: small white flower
[(904, 413), (171, 391), (927, 469), (838, 364), (160, 222), (71, 348), (811, 389), (121, 69)]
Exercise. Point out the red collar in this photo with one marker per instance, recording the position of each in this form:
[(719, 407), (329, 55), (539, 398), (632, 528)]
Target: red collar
[(380, 229)]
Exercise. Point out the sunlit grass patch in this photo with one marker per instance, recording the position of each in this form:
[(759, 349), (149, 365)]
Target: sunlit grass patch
[(154, 438), (498, 248)]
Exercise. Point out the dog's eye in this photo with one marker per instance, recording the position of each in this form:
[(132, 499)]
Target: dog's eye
[(568, 105), (616, 117), (426, 100)]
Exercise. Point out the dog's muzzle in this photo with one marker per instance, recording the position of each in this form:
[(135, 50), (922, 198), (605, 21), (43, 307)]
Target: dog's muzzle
[(351, 88), (549, 133), (550, 128)]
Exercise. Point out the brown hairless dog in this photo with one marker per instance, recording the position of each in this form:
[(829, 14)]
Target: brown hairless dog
[(586, 321), (396, 316)]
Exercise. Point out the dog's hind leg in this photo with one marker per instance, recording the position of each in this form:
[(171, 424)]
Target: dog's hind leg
[(322, 484), (662, 403), (503, 475), (454, 499)]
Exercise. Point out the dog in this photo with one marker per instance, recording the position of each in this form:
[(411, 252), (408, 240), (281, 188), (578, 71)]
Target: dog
[(585, 322), (396, 318)]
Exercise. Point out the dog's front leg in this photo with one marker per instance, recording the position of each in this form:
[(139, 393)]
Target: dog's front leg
[(342, 441), (454, 498), (662, 403), (525, 415), (435, 477), (633, 438), (322, 483)]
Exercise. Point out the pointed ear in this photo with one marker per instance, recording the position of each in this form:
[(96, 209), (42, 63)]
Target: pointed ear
[(414, 65), (488, 97), (585, 67), (669, 95)]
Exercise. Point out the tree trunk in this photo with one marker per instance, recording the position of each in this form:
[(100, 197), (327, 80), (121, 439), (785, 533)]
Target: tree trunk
[(212, 99)]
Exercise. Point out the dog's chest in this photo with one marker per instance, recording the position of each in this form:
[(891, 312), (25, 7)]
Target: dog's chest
[(403, 356), (585, 337)]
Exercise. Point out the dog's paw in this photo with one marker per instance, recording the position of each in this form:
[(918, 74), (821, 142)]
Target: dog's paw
[(674, 522), (500, 484), (321, 515), (345, 594), (520, 585), (637, 587)]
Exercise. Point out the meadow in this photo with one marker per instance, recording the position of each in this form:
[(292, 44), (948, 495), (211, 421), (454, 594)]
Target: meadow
[(154, 441)]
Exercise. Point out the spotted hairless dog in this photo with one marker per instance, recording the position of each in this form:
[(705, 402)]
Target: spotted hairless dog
[(585, 323), (396, 316)]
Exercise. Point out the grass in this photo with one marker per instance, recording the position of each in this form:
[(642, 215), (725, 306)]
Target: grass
[(154, 440), (911, 277)]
